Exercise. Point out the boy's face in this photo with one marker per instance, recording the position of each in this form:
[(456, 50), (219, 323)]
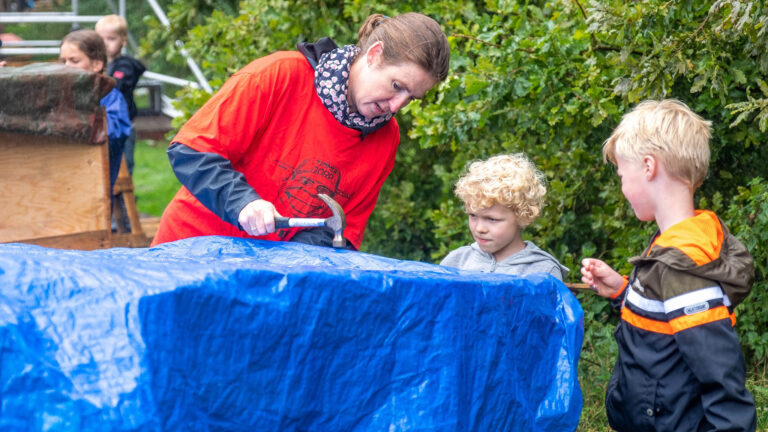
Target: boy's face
[(634, 186), (496, 231), (112, 40)]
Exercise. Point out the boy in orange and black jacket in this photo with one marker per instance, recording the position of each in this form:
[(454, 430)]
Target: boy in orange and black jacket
[(680, 365)]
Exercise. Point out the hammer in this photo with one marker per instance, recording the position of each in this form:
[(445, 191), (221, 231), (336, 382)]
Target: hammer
[(337, 222)]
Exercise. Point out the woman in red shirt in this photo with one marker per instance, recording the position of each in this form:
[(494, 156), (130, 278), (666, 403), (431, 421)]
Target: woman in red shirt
[(294, 124)]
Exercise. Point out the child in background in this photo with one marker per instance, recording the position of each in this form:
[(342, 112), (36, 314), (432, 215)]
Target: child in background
[(503, 195), (680, 366), (124, 69), (84, 49)]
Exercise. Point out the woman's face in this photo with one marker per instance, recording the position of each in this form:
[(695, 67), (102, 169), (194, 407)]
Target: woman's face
[(377, 89), (71, 55)]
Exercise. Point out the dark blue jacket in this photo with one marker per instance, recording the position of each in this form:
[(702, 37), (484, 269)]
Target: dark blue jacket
[(680, 366)]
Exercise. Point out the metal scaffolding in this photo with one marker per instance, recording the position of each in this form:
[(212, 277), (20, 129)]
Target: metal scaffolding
[(51, 47)]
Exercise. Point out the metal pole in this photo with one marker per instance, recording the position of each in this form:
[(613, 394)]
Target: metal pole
[(122, 8), (75, 12), (191, 63), (169, 79), (46, 17)]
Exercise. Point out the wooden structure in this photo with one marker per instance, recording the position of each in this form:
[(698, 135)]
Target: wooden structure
[(54, 169)]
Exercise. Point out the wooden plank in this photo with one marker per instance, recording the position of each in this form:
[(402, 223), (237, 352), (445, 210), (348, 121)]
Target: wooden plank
[(51, 186), (149, 224), (80, 241), (578, 285), (130, 240)]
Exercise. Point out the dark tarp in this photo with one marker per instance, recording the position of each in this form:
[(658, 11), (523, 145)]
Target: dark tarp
[(55, 100), (222, 334)]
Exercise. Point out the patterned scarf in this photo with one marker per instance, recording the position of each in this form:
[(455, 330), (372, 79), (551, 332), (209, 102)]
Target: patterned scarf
[(331, 82)]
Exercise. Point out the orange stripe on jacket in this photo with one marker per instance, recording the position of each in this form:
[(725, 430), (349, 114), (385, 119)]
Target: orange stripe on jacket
[(677, 324)]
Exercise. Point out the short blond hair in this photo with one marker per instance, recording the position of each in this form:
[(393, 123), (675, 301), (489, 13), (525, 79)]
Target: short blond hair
[(511, 180), (668, 130), (113, 22)]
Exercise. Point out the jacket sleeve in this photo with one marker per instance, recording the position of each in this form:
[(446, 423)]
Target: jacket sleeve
[(618, 298), (703, 329), (213, 181), (126, 72), (118, 121)]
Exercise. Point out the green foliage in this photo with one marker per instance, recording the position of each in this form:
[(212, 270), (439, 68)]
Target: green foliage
[(552, 79), (747, 214)]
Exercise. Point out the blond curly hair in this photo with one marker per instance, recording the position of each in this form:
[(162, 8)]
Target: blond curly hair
[(511, 180)]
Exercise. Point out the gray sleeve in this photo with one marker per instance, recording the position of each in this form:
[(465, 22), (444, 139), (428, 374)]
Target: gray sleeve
[(453, 259), (557, 272)]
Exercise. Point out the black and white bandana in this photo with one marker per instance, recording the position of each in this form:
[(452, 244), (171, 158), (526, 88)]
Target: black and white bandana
[(331, 82)]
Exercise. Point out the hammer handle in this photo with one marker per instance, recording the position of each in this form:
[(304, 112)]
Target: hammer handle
[(284, 222)]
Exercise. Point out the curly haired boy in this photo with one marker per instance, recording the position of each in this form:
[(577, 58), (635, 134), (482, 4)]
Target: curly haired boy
[(503, 195)]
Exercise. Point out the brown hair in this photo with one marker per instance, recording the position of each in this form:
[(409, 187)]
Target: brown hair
[(410, 37), (89, 42)]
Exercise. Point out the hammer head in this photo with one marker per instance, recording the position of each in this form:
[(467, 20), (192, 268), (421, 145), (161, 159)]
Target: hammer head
[(337, 222)]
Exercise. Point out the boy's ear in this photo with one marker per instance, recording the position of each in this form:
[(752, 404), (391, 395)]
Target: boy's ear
[(650, 167)]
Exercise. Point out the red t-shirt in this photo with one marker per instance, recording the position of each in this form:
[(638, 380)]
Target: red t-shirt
[(269, 122)]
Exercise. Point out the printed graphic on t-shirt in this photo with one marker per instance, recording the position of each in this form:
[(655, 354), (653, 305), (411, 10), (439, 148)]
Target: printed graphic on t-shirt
[(300, 187)]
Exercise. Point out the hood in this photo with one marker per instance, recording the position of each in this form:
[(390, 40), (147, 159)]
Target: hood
[(531, 255), (128, 62), (702, 246), (313, 51)]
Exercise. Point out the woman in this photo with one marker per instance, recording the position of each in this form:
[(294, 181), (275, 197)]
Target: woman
[(85, 50), (294, 124)]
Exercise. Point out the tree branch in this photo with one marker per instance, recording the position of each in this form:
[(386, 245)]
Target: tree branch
[(581, 8), (476, 39)]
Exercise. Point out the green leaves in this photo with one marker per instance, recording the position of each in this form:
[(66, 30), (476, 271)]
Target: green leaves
[(552, 80)]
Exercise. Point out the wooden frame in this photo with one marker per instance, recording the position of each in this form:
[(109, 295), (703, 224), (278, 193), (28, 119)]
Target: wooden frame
[(56, 194), (54, 187)]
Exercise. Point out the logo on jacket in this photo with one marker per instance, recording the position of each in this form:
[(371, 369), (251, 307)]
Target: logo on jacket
[(637, 285), (300, 188), (694, 309)]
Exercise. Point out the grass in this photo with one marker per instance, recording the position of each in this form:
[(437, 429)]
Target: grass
[(154, 181)]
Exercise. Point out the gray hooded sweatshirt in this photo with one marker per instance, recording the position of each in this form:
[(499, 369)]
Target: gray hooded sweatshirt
[(529, 260)]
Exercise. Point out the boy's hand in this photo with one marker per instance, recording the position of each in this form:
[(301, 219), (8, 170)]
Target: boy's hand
[(604, 280)]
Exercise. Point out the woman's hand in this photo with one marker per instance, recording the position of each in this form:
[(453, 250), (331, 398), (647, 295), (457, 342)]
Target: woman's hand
[(604, 280), (258, 217)]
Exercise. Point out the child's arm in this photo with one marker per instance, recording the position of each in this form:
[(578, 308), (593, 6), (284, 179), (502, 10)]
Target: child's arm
[(604, 280), (126, 71)]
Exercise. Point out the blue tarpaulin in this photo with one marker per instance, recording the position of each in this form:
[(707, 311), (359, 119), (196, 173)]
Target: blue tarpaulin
[(223, 334)]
